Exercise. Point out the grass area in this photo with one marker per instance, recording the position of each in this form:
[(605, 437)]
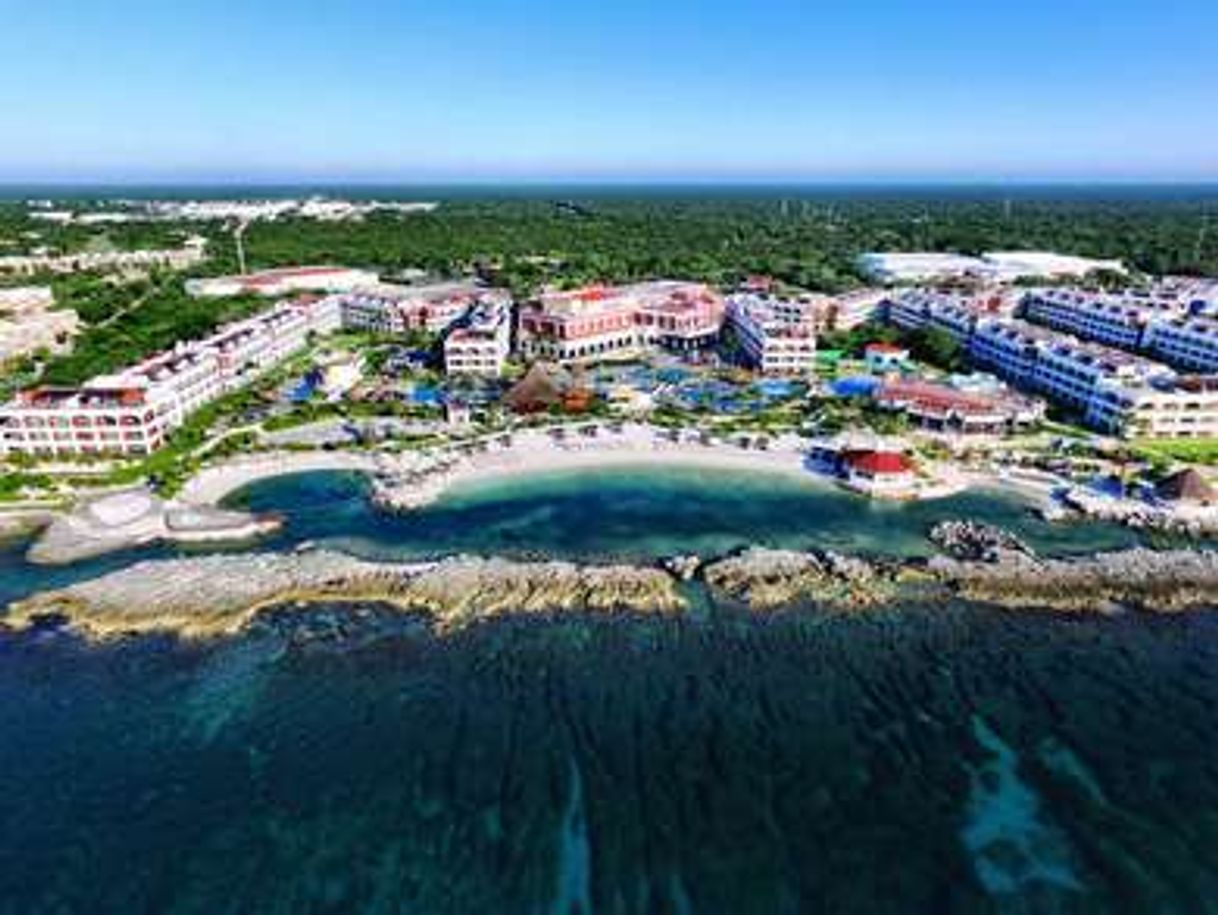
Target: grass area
[(1191, 451)]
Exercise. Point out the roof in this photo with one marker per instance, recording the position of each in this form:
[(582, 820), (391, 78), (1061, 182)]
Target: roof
[(541, 387), (1187, 486), (886, 348), (927, 395), (878, 462)]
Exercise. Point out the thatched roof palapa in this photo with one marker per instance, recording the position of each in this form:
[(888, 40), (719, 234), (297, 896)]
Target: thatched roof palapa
[(542, 387), (1187, 485)]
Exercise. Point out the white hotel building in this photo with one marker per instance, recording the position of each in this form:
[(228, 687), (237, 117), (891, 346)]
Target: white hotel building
[(286, 281), (1189, 343), (482, 343), (1074, 372), (1064, 368), (1112, 320), (1163, 328), (177, 259), (777, 336), (132, 412), (1010, 349), (1175, 407), (956, 313), (390, 309), (1114, 391)]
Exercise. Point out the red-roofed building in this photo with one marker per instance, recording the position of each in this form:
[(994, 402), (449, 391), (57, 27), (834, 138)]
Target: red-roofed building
[(943, 408), (879, 473), (882, 358)]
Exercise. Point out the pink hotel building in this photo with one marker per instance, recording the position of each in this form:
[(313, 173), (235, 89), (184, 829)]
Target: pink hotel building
[(601, 322)]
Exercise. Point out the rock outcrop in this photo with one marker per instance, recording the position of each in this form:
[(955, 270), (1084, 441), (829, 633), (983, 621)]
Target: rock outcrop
[(684, 566), (219, 595), (765, 578), (976, 541), (1157, 581)]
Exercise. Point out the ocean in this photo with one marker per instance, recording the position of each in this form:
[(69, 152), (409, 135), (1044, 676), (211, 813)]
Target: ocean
[(907, 759)]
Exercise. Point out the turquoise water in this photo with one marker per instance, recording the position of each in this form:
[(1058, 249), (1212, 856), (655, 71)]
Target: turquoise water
[(628, 513), (622, 513), (941, 760)]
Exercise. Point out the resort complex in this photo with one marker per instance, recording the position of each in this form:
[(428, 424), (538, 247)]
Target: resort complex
[(274, 283), (1134, 363), (994, 267), (1133, 391), (131, 412)]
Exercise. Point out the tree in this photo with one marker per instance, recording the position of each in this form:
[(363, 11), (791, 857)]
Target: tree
[(937, 347)]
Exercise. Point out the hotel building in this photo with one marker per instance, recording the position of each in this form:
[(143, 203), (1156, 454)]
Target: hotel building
[(776, 336), (601, 322), (482, 342), (1112, 320), (132, 412), (1174, 329), (277, 283), (389, 309), (956, 313), (1167, 407), (1008, 348), (187, 256), (1189, 343), (1073, 372), (993, 267), (1113, 390)]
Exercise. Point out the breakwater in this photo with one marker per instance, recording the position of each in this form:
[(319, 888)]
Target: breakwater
[(219, 595)]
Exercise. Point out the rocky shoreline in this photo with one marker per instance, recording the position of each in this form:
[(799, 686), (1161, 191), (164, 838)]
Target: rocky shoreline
[(1156, 581), (219, 595), (1198, 523)]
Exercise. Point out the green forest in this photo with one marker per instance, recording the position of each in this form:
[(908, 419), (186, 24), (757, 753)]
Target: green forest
[(809, 241)]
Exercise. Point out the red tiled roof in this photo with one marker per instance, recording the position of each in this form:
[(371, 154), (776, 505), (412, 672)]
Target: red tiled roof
[(885, 348), (878, 462), (928, 395)]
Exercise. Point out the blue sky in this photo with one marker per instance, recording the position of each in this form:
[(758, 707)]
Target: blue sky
[(536, 89)]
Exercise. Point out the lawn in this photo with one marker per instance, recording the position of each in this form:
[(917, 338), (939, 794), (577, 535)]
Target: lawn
[(1192, 451)]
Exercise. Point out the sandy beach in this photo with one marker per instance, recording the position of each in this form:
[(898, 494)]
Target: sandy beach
[(417, 478), (213, 483), (413, 479)]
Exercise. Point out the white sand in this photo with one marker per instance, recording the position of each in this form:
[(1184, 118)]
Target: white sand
[(531, 452), (211, 484)]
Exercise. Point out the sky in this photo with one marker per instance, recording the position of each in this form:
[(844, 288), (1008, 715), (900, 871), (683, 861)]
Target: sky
[(627, 90)]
